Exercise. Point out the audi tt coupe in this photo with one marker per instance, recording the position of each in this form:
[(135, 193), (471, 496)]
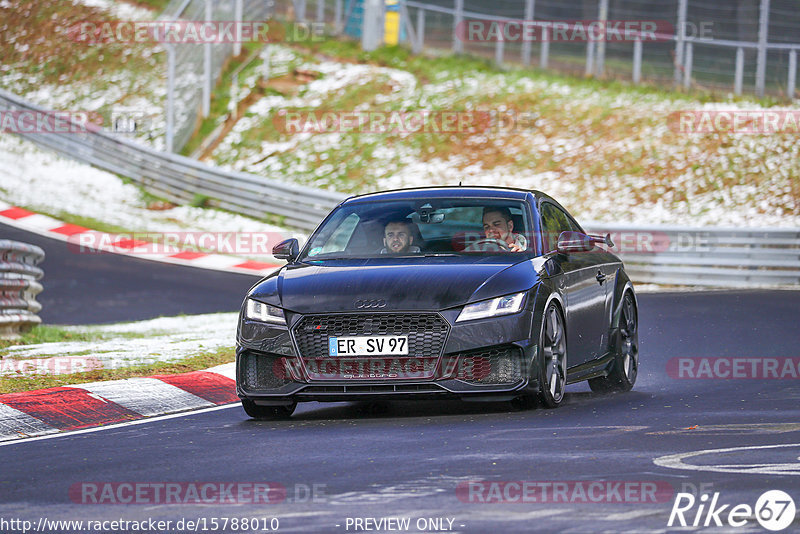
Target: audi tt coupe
[(475, 293)]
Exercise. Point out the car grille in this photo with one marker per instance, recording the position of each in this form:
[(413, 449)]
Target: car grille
[(496, 366), (426, 333), (262, 372)]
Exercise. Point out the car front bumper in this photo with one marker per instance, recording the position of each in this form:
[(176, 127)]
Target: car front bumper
[(486, 359)]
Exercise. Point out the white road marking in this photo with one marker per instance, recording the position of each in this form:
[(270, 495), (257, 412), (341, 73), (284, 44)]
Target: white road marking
[(147, 396), (41, 222), (228, 370), (743, 428), (633, 514), (675, 461)]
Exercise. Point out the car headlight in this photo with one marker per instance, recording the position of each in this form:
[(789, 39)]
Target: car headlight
[(264, 312), (492, 308)]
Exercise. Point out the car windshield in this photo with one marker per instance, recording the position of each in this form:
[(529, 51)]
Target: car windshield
[(431, 226)]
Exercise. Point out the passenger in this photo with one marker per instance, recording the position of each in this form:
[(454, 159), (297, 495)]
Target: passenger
[(398, 239), (499, 225)]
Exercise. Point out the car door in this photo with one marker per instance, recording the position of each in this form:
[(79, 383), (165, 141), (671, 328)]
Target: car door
[(584, 293)]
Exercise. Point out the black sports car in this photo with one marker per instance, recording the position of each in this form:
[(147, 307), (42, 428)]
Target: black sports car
[(475, 293)]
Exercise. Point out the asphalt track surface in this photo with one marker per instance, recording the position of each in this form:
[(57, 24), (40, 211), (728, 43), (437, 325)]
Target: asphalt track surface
[(110, 288), (407, 459)]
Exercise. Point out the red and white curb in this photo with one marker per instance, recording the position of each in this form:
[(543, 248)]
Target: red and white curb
[(116, 244), (65, 408)]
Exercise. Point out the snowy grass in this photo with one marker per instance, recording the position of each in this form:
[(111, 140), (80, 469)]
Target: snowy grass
[(603, 149), (44, 64), (45, 182), (49, 356)]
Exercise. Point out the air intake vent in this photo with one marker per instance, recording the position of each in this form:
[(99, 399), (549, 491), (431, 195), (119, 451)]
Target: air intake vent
[(496, 366), (262, 372)]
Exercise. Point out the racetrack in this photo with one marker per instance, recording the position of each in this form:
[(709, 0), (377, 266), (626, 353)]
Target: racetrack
[(408, 459), (111, 288)]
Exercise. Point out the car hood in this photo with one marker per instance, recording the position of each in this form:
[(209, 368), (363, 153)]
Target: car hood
[(430, 283)]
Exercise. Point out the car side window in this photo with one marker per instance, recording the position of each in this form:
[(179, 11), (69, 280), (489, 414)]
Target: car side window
[(341, 236), (555, 221)]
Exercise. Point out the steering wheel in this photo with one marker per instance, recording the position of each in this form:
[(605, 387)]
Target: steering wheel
[(489, 244)]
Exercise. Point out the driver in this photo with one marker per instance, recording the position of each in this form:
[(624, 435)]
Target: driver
[(498, 225), (398, 238)]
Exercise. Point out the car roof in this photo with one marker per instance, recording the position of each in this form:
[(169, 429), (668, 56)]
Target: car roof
[(448, 192)]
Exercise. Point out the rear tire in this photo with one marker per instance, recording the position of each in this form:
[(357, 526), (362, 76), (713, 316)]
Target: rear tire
[(552, 358), (267, 413), (625, 368)]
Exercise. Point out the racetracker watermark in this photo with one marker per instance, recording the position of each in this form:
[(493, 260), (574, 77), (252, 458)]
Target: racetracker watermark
[(194, 32), (515, 30), (734, 368), (170, 243), (738, 121), (564, 492), (57, 365), (123, 121), (49, 122), (151, 493), (420, 121), (465, 367), (631, 241)]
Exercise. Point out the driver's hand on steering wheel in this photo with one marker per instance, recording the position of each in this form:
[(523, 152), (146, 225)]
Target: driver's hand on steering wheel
[(513, 247)]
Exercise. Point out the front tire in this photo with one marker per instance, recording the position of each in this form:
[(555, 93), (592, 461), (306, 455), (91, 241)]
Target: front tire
[(267, 413), (552, 358), (625, 368)]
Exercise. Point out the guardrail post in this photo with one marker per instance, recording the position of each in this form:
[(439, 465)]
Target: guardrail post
[(337, 17), (458, 20), (600, 63), (299, 10), (761, 66), (237, 16), (530, 6), (679, 39), (589, 58), (737, 83), (499, 46), (170, 133), (18, 287), (790, 86), (420, 44), (687, 65), (637, 60), (544, 52), (207, 65), (372, 25), (405, 21)]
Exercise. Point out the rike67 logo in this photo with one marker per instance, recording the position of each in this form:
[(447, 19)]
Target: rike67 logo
[(774, 510)]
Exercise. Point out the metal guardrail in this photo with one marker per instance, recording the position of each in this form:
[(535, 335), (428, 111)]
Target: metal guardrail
[(19, 286), (722, 257), (181, 179), (676, 255)]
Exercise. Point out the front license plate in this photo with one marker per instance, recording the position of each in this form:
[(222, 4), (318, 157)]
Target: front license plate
[(368, 346)]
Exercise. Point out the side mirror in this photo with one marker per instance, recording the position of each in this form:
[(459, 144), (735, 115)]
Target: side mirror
[(286, 250), (569, 242)]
